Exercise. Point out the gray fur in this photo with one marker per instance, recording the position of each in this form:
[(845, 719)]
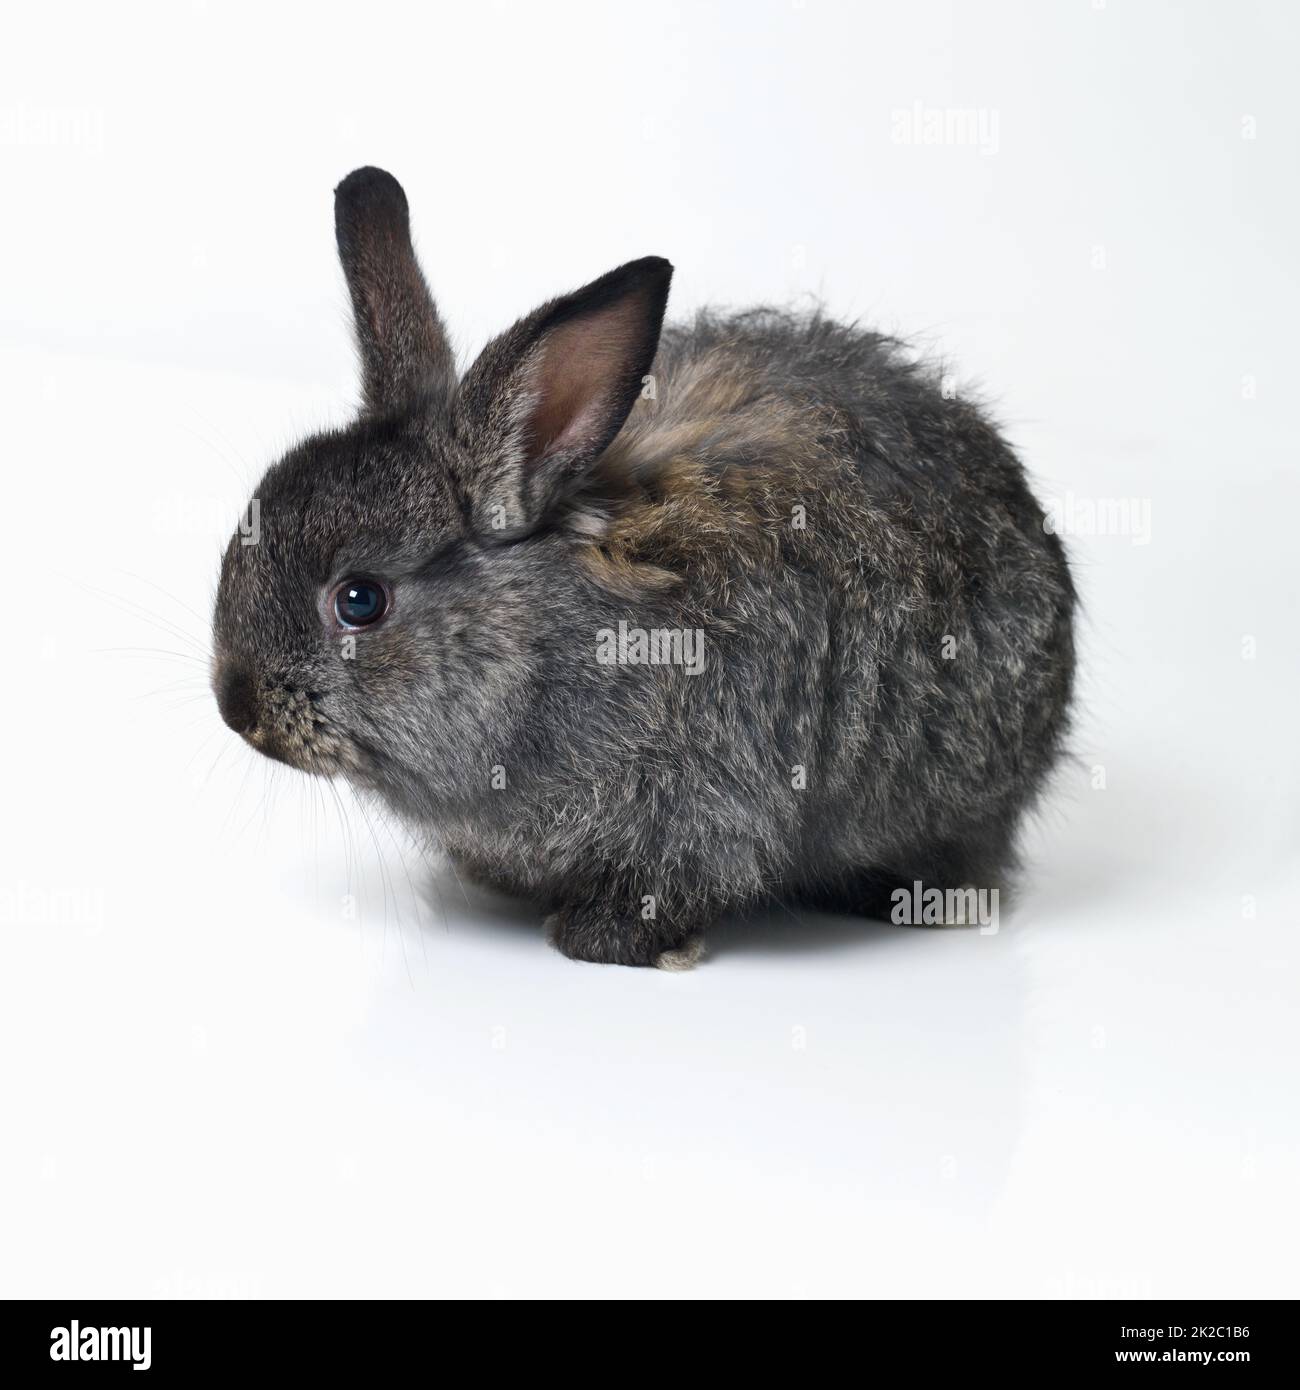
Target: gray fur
[(908, 647)]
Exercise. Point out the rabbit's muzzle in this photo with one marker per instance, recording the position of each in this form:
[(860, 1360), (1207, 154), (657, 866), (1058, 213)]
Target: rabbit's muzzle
[(281, 720)]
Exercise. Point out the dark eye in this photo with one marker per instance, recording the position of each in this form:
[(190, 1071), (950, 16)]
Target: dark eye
[(360, 602)]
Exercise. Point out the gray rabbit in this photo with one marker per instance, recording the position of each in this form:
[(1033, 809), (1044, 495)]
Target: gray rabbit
[(653, 624)]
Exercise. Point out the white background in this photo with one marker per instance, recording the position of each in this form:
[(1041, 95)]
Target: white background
[(250, 1045)]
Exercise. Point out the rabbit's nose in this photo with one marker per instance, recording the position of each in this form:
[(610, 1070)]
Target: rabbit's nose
[(237, 699)]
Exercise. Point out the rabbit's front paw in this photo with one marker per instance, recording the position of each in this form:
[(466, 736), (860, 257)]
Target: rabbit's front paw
[(604, 934)]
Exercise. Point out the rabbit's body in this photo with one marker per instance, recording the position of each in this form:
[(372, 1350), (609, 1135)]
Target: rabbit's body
[(887, 647), (864, 626)]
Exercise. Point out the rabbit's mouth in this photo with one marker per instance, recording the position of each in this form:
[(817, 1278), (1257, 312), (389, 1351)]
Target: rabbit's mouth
[(292, 729), (322, 754)]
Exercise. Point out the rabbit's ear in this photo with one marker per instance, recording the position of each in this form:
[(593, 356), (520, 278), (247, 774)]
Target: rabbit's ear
[(404, 350), (545, 399)]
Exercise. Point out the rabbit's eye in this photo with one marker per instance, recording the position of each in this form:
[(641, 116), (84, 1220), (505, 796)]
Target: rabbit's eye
[(360, 602)]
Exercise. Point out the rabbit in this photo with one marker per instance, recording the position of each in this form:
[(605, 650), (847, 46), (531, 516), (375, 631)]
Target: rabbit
[(652, 624)]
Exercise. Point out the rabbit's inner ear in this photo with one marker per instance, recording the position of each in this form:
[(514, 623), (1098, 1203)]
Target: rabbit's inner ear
[(587, 376), (404, 350), (547, 398)]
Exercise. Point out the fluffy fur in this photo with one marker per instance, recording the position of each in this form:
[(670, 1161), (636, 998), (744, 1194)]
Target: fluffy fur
[(887, 625)]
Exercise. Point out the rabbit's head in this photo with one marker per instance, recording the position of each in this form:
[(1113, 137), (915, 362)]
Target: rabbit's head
[(381, 613)]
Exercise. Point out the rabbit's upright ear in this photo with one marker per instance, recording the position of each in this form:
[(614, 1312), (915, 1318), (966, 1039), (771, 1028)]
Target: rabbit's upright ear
[(545, 399), (404, 350)]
